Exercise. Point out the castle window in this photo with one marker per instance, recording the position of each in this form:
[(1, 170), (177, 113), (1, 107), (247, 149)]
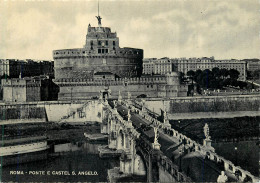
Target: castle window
[(99, 43), (114, 48), (91, 43), (114, 43), (99, 50), (106, 42)]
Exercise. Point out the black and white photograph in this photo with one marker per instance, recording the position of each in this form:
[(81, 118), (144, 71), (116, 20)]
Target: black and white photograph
[(129, 91)]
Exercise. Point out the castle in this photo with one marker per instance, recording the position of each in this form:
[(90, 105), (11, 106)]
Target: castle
[(102, 66)]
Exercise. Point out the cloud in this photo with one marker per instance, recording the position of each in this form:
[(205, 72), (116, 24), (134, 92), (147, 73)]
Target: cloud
[(165, 28)]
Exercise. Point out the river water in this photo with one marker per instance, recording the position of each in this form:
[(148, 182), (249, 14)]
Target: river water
[(78, 162)]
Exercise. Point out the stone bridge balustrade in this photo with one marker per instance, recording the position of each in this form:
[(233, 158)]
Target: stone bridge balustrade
[(126, 136), (127, 139), (228, 166), (172, 169)]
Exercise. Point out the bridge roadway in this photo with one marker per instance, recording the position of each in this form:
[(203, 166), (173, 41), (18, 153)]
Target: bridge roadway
[(193, 164)]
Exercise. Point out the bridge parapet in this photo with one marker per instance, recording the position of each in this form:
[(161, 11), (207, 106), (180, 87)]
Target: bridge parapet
[(172, 169), (228, 166)]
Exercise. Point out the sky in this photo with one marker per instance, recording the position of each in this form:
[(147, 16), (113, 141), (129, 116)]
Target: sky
[(224, 29)]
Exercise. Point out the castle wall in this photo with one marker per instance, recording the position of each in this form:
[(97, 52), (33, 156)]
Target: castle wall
[(75, 92), (76, 63), (33, 93), (86, 92), (14, 90), (151, 86)]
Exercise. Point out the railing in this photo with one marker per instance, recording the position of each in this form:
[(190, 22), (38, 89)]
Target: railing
[(228, 165)]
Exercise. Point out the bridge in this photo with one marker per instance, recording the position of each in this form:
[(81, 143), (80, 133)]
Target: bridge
[(151, 148)]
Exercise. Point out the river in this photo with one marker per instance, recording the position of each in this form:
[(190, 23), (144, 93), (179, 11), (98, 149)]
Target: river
[(78, 162)]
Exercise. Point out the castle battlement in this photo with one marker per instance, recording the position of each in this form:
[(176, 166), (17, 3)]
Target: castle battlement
[(117, 81), (84, 53)]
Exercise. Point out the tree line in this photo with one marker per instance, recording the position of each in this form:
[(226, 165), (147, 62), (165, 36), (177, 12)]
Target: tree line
[(216, 78)]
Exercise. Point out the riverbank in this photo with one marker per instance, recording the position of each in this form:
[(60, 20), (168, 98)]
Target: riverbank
[(204, 115), (69, 162), (55, 132)]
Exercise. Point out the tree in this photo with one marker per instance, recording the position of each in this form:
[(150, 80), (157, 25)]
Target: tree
[(234, 82), (207, 76), (241, 84), (198, 89), (226, 81), (249, 74), (216, 72), (256, 74), (181, 77), (224, 73), (191, 74), (233, 74), (197, 74)]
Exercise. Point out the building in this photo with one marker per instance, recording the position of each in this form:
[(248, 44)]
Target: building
[(101, 53), (166, 65), (158, 66), (29, 89), (103, 67), (252, 64), (148, 65), (26, 68), (185, 65)]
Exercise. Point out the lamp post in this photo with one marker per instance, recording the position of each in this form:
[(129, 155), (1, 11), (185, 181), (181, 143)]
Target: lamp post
[(180, 156), (71, 93), (236, 154)]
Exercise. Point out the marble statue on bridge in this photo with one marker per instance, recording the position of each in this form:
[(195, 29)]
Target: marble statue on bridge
[(129, 96), (206, 131), (156, 144), (165, 119), (207, 140), (119, 96), (222, 177), (128, 115)]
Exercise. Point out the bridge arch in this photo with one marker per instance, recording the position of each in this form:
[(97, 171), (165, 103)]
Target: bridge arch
[(149, 163), (140, 165)]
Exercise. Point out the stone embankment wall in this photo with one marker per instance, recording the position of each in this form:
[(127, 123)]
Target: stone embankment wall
[(54, 111), (204, 105), (21, 114), (227, 165)]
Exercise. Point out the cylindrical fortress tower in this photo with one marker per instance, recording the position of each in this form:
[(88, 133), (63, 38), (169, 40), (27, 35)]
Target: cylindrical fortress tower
[(101, 53)]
